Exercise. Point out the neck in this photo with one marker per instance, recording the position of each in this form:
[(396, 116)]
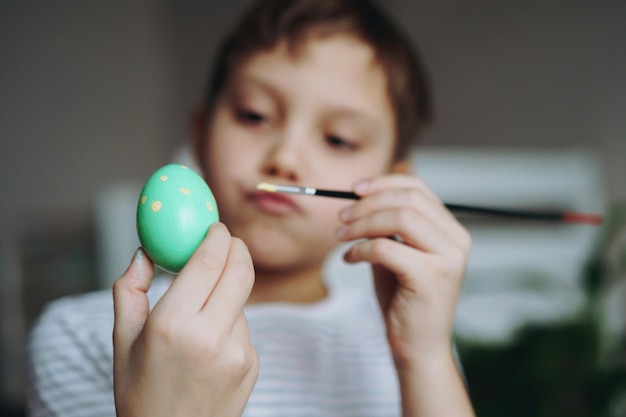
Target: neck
[(305, 286)]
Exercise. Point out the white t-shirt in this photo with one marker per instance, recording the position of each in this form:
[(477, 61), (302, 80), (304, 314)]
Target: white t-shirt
[(330, 358)]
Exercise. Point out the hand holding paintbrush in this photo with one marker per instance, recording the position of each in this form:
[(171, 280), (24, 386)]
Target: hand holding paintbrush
[(554, 216)]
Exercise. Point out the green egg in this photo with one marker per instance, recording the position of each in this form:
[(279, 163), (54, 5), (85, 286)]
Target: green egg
[(175, 209)]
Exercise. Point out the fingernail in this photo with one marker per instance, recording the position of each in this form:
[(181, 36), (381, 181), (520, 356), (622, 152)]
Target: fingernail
[(361, 186), (341, 232), (140, 260)]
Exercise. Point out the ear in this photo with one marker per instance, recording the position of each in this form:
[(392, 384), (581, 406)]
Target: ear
[(199, 126), (402, 166)]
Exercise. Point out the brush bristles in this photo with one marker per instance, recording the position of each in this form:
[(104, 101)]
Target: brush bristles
[(265, 186)]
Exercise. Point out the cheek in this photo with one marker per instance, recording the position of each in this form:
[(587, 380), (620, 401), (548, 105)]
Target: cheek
[(223, 157)]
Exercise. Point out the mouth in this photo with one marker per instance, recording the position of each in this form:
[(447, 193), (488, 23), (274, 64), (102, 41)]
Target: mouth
[(273, 203)]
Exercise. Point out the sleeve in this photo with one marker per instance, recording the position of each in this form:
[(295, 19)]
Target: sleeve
[(69, 369)]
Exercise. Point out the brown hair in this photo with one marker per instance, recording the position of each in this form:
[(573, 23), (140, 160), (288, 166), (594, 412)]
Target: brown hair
[(270, 21)]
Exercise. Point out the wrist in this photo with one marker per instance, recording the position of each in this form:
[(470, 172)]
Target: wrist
[(432, 385), (431, 362)]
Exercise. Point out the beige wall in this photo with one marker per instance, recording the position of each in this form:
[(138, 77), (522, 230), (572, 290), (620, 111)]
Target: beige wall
[(547, 75)]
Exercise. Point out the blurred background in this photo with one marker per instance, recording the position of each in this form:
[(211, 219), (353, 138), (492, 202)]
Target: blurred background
[(531, 113)]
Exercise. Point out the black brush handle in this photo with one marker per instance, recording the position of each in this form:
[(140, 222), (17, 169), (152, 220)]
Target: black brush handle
[(552, 216), (518, 214), (337, 194)]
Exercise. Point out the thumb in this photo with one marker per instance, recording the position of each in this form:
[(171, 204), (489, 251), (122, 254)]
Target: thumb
[(130, 302)]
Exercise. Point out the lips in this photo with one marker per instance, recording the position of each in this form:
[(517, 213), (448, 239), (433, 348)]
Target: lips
[(274, 203)]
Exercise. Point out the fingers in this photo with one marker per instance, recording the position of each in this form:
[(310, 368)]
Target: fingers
[(414, 229), (415, 198), (419, 214), (130, 302), (215, 283), (375, 185), (233, 288), (192, 288), (433, 241), (397, 257)]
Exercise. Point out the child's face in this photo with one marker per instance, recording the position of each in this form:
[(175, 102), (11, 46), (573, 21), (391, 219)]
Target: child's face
[(320, 119)]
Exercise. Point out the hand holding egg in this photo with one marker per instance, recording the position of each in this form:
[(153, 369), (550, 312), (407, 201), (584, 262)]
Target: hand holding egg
[(174, 212), (200, 315)]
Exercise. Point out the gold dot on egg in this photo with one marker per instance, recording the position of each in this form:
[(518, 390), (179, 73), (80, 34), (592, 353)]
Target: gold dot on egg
[(184, 167), (185, 191), (156, 206), (143, 199), (163, 177), (209, 206)]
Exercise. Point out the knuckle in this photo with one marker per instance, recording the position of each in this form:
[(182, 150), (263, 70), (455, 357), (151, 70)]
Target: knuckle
[(119, 286), (253, 365), (404, 219), (452, 265), (381, 247), (255, 362), (124, 284), (206, 349), (237, 359), (209, 347), (241, 360), (441, 267)]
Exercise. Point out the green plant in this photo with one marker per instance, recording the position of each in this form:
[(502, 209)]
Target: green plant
[(562, 369), (549, 371)]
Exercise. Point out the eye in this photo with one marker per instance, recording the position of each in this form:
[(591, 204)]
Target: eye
[(250, 117), (337, 142)]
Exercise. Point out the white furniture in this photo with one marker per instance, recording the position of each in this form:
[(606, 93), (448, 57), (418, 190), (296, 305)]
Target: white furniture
[(518, 271)]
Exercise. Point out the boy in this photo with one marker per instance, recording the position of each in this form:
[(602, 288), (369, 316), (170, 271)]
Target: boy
[(307, 92)]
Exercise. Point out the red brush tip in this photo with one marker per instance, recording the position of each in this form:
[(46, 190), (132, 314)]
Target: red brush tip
[(570, 217)]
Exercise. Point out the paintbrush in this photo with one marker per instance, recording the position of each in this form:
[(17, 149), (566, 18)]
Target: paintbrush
[(543, 215)]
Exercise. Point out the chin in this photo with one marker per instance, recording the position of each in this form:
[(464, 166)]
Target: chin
[(273, 248)]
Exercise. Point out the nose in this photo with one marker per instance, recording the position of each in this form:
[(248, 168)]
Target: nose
[(282, 160)]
